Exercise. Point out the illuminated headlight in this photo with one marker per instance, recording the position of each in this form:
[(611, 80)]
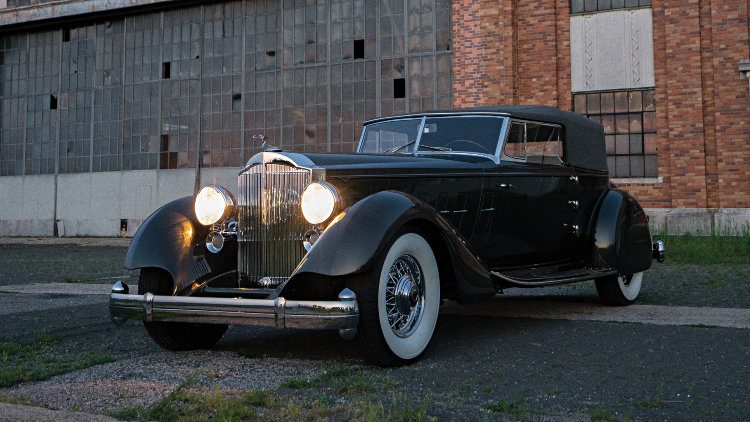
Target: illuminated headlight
[(213, 204), (318, 202)]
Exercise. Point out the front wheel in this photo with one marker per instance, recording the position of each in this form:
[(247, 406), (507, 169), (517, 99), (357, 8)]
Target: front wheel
[(399, 301), (176, 335), (619, 290)]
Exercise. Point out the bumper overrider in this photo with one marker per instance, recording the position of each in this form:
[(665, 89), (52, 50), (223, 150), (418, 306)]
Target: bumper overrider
[(341, 314)]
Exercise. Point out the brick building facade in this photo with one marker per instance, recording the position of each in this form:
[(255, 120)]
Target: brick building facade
[(701, 125), (132, 103)]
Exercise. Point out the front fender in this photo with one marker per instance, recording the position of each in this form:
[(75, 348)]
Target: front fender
[(172, 239), (355, 243), (622, 237)]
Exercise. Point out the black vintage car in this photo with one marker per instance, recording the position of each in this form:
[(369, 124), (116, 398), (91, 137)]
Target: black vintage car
[(432, 206)]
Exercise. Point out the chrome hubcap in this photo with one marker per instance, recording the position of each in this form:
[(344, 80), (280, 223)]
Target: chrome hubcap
[(404, 295)]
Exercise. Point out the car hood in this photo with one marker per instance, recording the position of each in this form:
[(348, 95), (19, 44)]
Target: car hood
[(348, 163)]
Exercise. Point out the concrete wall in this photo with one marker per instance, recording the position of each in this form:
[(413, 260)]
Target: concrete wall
[(612, 50), (93, 204)]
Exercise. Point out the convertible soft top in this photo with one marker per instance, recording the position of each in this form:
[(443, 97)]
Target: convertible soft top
[(584, 138)]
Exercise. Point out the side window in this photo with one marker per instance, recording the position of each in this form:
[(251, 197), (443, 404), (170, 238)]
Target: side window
[(553, 149), (543, 144), (514, 146)]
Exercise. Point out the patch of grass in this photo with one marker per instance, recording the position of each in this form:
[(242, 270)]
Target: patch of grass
[(353, 384), (336, 371), (513, 407), (24, 400), (714, 284), (296, 383), (401, 410), (343, 380), (187, 403), (409, 411), (651, 403), (707, 250), (257, 398), (23, 362), (601, 414), (67, 280), (45, 338)]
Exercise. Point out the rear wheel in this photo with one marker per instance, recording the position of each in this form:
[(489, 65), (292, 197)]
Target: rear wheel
[(399, 302), (175, 335), (620, 290)]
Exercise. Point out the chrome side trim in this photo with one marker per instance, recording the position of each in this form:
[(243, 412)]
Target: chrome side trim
[(436, 114), (341, 314), (424, 116)]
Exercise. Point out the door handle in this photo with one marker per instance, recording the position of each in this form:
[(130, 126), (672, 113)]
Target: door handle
[(573, 204), (574, 179), (573, 229), (506, 186)]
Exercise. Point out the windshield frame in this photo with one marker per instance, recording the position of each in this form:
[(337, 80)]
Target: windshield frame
[(423, 117)]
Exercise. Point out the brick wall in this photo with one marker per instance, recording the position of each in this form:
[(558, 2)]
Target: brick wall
[(511, 52), (518, 51)]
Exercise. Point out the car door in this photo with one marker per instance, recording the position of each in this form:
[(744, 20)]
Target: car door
[(560, 193), (524, 208)]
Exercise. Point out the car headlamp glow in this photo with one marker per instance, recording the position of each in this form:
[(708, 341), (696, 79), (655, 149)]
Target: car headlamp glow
[(318, 202), (212, 204)]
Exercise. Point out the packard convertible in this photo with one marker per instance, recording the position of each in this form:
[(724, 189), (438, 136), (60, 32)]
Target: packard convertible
[(432, 206)]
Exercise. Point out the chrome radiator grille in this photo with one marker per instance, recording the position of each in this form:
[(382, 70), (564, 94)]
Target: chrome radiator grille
[(271, 225)]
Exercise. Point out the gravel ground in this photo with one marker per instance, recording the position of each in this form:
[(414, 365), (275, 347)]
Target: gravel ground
[(62, 262), (530, 354), (13, 412), (99, 260), (144, 380)]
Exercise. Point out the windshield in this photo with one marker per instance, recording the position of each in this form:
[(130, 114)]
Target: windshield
[(390, 135), (477, 134)]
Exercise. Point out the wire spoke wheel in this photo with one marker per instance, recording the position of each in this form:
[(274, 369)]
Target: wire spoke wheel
[(404, 295)]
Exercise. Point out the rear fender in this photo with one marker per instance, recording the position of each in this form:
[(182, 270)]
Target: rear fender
[(355, 243), (622, 238)]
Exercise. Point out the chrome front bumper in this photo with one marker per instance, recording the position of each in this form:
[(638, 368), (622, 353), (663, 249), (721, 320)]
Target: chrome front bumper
[(342, 314)]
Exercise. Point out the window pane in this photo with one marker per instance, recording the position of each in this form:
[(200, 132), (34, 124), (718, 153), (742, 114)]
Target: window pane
[(629, 121), (608, 102), (592, 103), (391, 135), (467, 134), (514, 146)]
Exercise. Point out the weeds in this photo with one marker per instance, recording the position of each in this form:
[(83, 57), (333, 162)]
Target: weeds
[(23, 362), (513, 407), (651, 403), (296, 383), (707, 250), (601, 414)]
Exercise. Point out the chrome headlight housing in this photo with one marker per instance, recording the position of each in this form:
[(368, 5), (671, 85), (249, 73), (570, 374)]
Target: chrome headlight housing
[(318, 202), (213, 204)]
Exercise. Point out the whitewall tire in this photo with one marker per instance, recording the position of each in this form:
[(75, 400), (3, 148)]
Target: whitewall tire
[(619, 290), (399, 302)]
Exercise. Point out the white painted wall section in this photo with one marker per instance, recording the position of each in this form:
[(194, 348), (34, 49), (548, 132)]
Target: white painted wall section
[(27, 205)]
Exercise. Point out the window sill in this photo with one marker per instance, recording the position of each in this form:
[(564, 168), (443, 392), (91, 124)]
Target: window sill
[(637, 181)]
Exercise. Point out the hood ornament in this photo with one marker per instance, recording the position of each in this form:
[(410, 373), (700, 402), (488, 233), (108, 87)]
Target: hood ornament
[(265, 146)]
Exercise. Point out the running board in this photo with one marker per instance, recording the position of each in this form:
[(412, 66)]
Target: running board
[(540, 278)]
